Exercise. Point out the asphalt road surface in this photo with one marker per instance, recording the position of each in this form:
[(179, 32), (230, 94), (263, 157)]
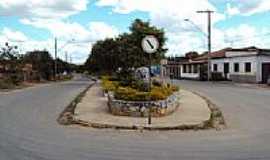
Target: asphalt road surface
[(29, 131)]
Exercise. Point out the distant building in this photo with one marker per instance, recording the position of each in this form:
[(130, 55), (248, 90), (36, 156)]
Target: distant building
[(248, 65)]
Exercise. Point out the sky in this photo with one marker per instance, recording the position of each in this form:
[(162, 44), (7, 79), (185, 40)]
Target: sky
[(78, 24)]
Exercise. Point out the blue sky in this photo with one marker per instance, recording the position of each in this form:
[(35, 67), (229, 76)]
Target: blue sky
[(33, 24)]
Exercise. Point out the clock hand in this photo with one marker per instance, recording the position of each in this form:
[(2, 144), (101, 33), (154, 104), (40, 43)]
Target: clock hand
[(150, 44)]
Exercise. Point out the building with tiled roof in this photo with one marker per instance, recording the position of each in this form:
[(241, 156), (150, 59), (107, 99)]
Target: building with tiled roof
[(249, 64)]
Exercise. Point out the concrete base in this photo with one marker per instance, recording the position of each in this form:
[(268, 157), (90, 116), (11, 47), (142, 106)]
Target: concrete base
[(93, 111)]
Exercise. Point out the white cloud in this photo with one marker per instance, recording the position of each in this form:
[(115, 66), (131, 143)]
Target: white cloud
[(66, 31), (101, 30), (52, 15), (15, 36), (232, 10), (170, 15), (72, 30), (246, 35), (249, 7), (41, 8)]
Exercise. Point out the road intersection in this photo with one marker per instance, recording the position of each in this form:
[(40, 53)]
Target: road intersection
[(29, 130)]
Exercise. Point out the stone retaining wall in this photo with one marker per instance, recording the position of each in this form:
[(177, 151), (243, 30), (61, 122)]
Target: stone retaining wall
[(141, 108)]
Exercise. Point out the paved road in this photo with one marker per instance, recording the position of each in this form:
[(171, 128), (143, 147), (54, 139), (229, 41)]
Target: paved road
[(29, 131)]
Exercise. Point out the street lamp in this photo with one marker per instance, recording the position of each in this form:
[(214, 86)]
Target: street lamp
[(56, 52), (196, 27), (209, 13), (208, 37)]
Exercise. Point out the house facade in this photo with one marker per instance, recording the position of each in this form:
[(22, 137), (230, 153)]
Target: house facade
[(247, 65)]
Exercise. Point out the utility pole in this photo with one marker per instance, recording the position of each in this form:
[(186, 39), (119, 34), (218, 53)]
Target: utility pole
[(70, 59), (55, 61), (209, 13), (66, 56)]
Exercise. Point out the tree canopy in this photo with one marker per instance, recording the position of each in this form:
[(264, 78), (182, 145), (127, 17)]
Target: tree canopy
[(41, 62), (125, 51)]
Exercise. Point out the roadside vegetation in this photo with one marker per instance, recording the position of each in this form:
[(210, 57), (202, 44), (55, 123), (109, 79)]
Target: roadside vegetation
[(124, 53), (136, 91), (16, 69), (119, 58)]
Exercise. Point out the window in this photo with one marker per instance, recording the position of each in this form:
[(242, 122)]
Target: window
[(248, 67), (195, 68), (236, 67), (215, 67), (184, 68)]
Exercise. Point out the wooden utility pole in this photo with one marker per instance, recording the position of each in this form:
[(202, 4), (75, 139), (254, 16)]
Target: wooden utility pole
[(55, 61), (209, 13), (66, 56)]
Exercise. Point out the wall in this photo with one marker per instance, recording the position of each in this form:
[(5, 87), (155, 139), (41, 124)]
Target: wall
[(190, 75), (241, 75), (256, 67), (241, 61), (141, 109)]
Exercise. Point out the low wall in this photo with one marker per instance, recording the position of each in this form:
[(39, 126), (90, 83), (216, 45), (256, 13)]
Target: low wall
[(243, 78), (141, 108)]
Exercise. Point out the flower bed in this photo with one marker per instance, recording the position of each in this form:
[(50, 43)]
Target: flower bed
[(130, 101), (157, 108), (132, 93)]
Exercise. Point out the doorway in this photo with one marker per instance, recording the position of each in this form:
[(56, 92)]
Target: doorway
[(265, 72), (226, 70)]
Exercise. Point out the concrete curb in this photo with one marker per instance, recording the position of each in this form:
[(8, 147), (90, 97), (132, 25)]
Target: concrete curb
[(215, 121), (67, 116)]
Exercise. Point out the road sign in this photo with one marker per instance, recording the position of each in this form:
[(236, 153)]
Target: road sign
[(150, 44)]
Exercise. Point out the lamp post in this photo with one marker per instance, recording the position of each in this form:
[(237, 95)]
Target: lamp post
[(56, 52), (209, 13)]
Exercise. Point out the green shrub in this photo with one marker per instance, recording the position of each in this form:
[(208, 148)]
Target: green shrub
[(141, 86), (137, 91), (131, 94), (124, 93), (6, 84), (109, 85), (156, 95), (15, 78), (156, 83)]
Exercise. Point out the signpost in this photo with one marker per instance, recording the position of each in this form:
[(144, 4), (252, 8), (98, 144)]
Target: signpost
[(150, 45)]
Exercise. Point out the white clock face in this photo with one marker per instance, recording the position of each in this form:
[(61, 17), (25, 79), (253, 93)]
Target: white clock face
[(150, 44)]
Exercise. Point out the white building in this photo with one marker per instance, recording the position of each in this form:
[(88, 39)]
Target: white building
[(248, 65), (251, 65)]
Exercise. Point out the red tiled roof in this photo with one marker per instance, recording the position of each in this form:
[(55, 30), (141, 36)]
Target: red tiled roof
[(216, 54), (221, 54)]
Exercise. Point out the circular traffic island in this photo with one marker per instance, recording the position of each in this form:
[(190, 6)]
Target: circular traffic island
[(138, 100), (125, 107), (158, 108)]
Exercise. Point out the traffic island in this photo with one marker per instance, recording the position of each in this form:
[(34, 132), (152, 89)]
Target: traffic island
[(91, 110)]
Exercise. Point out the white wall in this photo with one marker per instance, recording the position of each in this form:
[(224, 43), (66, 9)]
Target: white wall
[(239, 53), (256, 65), (240, 60), (189, 75)]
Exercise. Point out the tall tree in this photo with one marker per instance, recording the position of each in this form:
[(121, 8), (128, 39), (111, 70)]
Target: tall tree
[(41, 61), (9, 57), (125, 51)]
